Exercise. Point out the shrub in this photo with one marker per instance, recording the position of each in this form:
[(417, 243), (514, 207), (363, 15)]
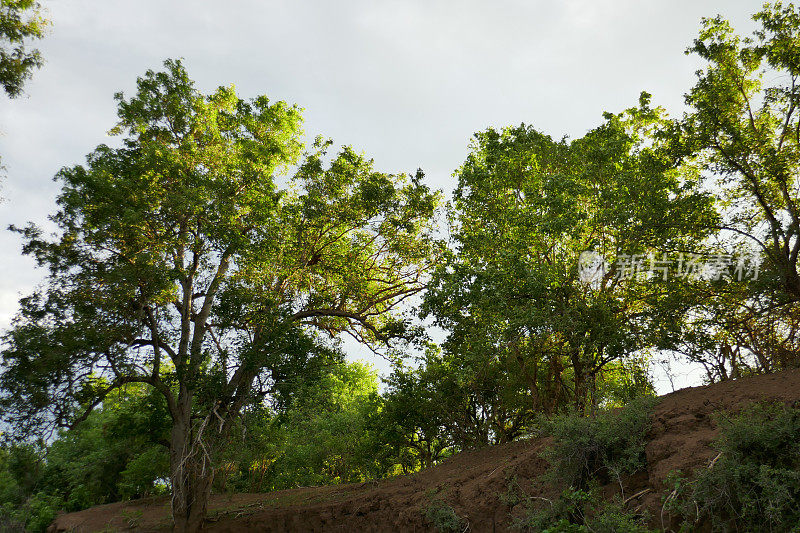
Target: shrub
[(600, 448), (34, 515), (580, 511), (142, 474), (587, 452), (444, 518), (754, 483)]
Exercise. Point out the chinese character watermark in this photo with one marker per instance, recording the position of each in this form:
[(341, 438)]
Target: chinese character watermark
[(592, 267)]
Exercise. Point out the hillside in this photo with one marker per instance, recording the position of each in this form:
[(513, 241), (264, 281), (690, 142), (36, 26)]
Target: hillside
[(473, 483)]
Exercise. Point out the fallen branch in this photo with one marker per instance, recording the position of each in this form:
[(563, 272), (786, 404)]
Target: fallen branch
[(640, 493)]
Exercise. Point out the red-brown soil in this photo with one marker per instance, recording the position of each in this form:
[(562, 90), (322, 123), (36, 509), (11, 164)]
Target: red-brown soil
[(474, 483)]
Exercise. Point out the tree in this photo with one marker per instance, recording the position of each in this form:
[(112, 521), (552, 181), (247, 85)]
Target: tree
[(415, 415), (20, 21), (526, 211), (23, 506), (328, 433), (182, 265), (456, 400), (735, 328), (332, 435), (116, 453), (747, 133), (743, 129), (120, 451)]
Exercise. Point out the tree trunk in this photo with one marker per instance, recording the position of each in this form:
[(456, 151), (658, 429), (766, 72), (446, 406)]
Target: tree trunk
[(579, 379), (191, 475)]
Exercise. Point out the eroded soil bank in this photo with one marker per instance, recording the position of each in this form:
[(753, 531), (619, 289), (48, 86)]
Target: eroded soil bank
[(473, 483)]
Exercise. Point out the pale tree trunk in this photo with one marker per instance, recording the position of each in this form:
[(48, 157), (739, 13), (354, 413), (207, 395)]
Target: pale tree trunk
[(191, 473)]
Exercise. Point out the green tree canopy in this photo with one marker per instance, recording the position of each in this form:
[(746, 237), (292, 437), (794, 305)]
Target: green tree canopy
[(20, 22), (525, 210), (182, 264), (744, 128), (743, 131)]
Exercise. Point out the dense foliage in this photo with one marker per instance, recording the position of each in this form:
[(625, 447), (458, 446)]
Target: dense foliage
[(328, 433), (204, 272), (180, 264), (743, 131), (527, 208), (601, 448), (117, 453)]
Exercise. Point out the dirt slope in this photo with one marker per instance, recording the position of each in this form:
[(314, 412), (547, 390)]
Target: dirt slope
[(474, 483)]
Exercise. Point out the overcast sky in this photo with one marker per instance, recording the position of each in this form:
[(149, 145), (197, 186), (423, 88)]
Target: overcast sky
[(406, 82)]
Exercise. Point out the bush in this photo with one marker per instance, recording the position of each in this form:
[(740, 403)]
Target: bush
[(580, 511), (143, 473), (35, 515), (444, 518), (588, 452), (754, 483), (601, 448)]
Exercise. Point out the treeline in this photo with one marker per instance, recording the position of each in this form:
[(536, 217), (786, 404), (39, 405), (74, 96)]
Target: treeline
[(333, 426), (187, 333)]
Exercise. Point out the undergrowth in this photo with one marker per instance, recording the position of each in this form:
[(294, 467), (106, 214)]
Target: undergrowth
[(34, 515), (441, 515), (586, 453), (753, 484), (601, 448), (444, 518), (581, 511)]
